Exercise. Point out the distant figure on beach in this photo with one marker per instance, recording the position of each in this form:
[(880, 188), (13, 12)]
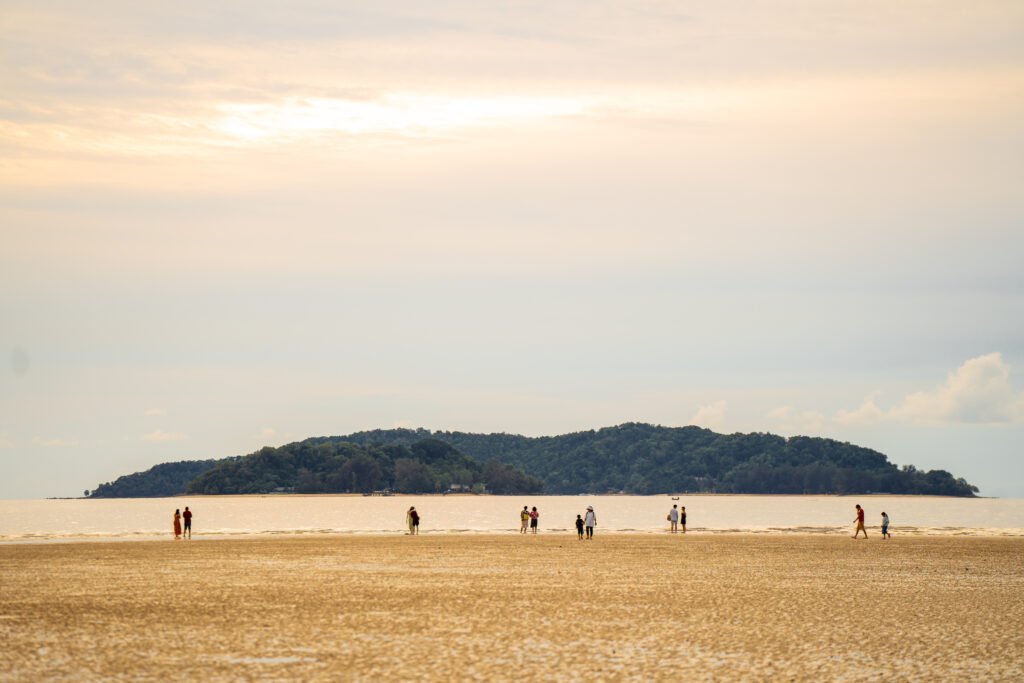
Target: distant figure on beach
[(534, 516), (673, 518), (579, 526), (408, 519), (860, 522), (682, 519), (590, 521), (885, 526), (187, 516), (414, 526), (524, 517), (177, 525)]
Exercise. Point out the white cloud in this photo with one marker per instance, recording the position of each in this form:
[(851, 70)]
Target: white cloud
[(790, 420), (978, 392), (160, 435), (710, 416), (156, 411), (55, 443), (867, 413)]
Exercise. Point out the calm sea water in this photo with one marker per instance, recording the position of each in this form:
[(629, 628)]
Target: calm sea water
[(48, 520)]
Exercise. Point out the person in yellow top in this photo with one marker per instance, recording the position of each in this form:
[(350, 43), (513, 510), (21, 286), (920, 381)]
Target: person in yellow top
[(524, 517), (177, 525)]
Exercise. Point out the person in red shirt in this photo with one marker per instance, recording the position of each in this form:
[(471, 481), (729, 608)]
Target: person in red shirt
[(860, 522), (187, 516)]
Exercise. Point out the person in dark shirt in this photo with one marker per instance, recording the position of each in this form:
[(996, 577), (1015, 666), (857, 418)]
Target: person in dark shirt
[(860, 522), (187, 516), (579, 526), (415, 516)]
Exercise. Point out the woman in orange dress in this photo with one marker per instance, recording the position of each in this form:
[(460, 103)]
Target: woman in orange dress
[(177, 525)]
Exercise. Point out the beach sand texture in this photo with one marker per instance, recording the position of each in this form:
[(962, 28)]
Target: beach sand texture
[(504, 607)]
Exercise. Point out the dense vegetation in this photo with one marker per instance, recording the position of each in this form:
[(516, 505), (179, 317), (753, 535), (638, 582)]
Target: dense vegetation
[(635, 458), (647, 459), (168, 479), (336, 466)]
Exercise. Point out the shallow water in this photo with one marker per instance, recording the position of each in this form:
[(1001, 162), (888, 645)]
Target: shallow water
[(50, 520)]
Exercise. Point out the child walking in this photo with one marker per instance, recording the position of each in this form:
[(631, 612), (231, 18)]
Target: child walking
[(579, 526), (885, 526)]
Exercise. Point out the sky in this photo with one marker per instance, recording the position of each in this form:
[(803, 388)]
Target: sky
[(229, 225)]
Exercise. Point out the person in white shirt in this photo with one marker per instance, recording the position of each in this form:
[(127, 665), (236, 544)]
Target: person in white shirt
[(590, 521), (673, 518)]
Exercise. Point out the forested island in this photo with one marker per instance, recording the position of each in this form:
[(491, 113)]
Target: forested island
[(630, 458), (326, 465)]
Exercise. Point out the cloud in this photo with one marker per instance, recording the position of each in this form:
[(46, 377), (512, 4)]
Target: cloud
[(867, 413), (710, 416), (790, 420), (156, 411), (978, 392), (55, 443), (160, 435), (266, 433)]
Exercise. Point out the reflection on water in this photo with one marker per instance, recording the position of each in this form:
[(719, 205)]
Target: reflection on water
[(229, 515)]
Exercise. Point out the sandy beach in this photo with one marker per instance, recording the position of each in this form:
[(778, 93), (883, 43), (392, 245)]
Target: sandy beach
[(503, 607)]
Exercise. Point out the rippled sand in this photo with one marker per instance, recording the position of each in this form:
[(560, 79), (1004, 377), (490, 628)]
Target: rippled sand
[(509, 607)]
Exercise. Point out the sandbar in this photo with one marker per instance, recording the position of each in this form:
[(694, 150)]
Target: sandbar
[(508, 607)]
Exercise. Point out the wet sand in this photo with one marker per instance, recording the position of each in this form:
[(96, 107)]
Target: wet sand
[(504, 607)]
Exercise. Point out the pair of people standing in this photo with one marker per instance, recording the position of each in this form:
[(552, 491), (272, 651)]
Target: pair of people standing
[(528, 517), (588, 523), (178, 517), (412, 518), (677, 518)]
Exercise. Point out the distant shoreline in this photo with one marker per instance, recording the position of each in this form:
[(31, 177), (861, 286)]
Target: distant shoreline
[(527, 495)]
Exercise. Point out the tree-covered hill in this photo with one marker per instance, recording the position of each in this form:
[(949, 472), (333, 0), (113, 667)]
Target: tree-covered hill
[(167, 479), (646, 459), (336, 466), (632, 457)]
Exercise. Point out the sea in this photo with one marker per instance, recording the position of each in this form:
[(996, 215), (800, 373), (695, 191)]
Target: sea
[(41, 521)]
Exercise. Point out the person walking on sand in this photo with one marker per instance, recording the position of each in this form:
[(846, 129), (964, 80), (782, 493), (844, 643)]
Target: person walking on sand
[(590, 521), (682, 518), (524, 518), (579, 527), (177, 525), (415, 528), (860, 522), (534, 516), (187, 516), (885, 526), (673, 518)]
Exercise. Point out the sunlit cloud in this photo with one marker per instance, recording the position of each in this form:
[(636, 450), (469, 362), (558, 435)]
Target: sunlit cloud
[(789, 420), (710, 416), (406, 115), (160, 435), (156, 411), (867, 413), (978, 392)]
